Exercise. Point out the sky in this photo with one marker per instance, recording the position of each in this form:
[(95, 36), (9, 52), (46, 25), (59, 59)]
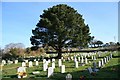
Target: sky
[(19, 18)]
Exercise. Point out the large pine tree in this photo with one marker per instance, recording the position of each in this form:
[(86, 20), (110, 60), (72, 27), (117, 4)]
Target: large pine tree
[(61, 26)]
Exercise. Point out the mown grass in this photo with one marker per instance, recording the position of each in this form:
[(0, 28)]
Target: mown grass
[(110, 70)]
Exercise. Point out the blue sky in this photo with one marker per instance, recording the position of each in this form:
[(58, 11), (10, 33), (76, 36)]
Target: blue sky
[(19, 18)]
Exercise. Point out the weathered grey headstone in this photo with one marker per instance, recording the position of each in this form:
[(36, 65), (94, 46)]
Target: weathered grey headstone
[(50, 72), (63, 69), (68, 77), (94, 66), (90, 70)]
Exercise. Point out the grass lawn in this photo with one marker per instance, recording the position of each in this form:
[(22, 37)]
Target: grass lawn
[(110, 70)]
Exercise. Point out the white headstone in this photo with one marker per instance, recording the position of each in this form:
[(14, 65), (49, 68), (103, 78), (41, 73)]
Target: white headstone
[(86, 61), (16, 61), (50, 72), (23, 64), (45, 66), (63, 69), (53, 64), (30, 64), (68, 77), (82, 60), (76, 64), (53, 60), (59, 62), (79, 59), (105, 60), (36, 63), (111, 55), (99, 64), (102, 62)]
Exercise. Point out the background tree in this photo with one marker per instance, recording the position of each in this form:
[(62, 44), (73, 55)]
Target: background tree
[(59, 26)]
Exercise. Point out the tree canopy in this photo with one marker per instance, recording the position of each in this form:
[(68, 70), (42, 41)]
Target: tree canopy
[(60, 26)]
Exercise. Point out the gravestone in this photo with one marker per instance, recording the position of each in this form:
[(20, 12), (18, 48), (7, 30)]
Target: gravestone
[(50, 72), (21, 71), (90, 70), (86, 61), (23, 64), (53, 65), (63, 69), (53, 60), (111, 55), (99, 64), (30, 64), (68, 77), (94, 66), (75, 59), (3, 62), (82, 60), (16, 61), (76, 64), (102, 62), (26, 61), (105, 60), (79, 59), (45, 66), (59, 62), (94, 57), (36, 63)]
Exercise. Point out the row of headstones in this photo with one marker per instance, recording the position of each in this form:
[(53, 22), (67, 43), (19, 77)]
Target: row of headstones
[(101, 63), (4, 62), (30, 63)]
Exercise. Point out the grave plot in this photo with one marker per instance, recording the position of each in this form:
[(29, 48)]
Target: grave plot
[(68, 67)]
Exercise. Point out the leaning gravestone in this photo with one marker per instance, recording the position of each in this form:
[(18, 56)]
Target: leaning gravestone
[(63, 69), (68, 77), (50, 72)]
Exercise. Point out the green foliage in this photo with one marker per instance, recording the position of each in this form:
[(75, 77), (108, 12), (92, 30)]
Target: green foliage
[(61, 26)]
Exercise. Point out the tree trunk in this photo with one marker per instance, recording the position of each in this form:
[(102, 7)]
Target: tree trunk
[(59, 54)]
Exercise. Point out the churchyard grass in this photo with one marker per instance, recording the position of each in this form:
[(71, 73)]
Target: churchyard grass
[(108, 71)]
